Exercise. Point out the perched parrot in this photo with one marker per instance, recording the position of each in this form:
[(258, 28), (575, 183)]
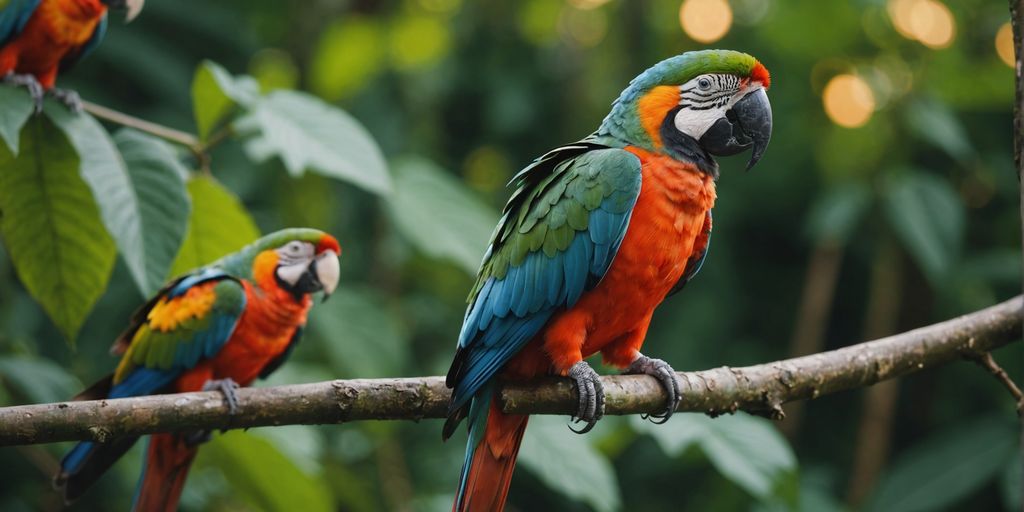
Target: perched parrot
[(596, 235), (216, 328), (39, 38)]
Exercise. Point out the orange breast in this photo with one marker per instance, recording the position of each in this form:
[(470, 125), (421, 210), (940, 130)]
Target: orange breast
[(667, 219), (55, 29)]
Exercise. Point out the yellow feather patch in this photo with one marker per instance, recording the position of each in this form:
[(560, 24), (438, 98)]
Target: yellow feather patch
[(169, 314), (654, 106)]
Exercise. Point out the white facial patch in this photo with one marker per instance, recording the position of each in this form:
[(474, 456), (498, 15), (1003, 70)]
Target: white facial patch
[(704, 100)]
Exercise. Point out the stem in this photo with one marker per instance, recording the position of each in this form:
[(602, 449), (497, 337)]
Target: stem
[(164, 132), (759, 389)]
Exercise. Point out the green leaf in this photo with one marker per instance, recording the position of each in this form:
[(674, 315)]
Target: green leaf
[(838, 211), (747, 450), (439, 215), (1012, 484), (936, 473), (218, 225), (929, 218), (128, 204), (15, 108), (262, 476), (308, 134), (215, 92), (936, 123), (51, 226), (567, 463), (158, 180), (38, 380), (360, 336)]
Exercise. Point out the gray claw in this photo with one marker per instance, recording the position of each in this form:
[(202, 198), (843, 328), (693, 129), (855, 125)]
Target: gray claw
[(591, 396), (228, 387), (69, 98), (666, 376), (35, 89)]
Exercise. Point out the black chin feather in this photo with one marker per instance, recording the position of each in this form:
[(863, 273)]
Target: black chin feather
[(684, 147)]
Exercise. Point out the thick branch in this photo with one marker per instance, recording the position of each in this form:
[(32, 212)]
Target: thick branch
[(759, 389)]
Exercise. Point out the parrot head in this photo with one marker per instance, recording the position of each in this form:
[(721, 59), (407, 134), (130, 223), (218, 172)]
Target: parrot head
[(700, 103), (300, 261), (132, 7)]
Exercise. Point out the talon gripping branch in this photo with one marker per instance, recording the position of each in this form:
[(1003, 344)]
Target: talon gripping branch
[(595, 236)]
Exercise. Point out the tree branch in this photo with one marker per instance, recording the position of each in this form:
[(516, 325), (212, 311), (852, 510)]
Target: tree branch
[(164, 132), (759, 389)]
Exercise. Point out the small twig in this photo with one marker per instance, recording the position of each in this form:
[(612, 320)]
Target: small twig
[(986, 361), (164, 132)]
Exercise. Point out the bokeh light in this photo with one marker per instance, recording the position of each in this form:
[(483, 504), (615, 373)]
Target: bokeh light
[(1004, 44), (705, 21), (928, 21), (848, 100), (585, 27)]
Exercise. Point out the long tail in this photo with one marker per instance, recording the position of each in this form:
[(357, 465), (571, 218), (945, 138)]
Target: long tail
[(163, 475), (491, 451), (85, 463)]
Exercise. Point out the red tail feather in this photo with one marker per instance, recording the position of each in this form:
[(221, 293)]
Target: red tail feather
[(167, 463), (494, 460)]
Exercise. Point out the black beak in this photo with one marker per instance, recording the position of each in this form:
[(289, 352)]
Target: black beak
[(747, 124), (308, 282)]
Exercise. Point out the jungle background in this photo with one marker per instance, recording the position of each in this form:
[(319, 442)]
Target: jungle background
[(887, 200)]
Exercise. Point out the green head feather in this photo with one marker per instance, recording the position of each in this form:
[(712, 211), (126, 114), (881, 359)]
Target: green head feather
[(623, 122), (240, 263)]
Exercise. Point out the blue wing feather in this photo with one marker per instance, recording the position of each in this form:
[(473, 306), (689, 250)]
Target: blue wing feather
[(14, 17), (509, 311)]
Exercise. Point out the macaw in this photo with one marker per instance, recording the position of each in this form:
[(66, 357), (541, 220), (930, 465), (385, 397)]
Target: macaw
[(216, 328), (596, 235), (39, 38)]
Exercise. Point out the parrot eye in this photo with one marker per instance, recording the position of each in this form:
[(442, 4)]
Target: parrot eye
[(704, 84)]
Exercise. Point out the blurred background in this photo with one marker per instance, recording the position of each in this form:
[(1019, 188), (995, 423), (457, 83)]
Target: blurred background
[(886, 201)]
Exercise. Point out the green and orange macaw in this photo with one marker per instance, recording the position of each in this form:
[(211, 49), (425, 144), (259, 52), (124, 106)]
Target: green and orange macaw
[(39, 38), (597, 234), (216, 328)]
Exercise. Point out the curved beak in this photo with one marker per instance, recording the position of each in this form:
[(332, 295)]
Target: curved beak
[(133, 7), (327, 270), (748, 124)]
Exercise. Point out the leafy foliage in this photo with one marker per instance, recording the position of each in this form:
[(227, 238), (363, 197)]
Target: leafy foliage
[(218, 225), (51, 226)]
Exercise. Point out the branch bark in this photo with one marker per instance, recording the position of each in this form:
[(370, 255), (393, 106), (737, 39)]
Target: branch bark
[(758, 389)]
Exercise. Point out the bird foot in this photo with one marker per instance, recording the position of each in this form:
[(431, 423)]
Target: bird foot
[(660, 370), (228, 387), (35, 89), (69, 98), (591, 396)]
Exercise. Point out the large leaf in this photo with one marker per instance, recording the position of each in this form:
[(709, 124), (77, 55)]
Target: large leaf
[(15, 108), (37, 380), (218, 225), (567, 463), (1012, 484), (836, 214), (937, 124), (215, 92), (51, 226), (439, 215), (107, 174), (308, 134), (158, 178), (938, 472), (747, 450), (360, 336), (264, 477), (929, 218)]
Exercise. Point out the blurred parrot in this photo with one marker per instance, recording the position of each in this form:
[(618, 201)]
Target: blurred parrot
[(596, 235), (39, 38), (216, 328)]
